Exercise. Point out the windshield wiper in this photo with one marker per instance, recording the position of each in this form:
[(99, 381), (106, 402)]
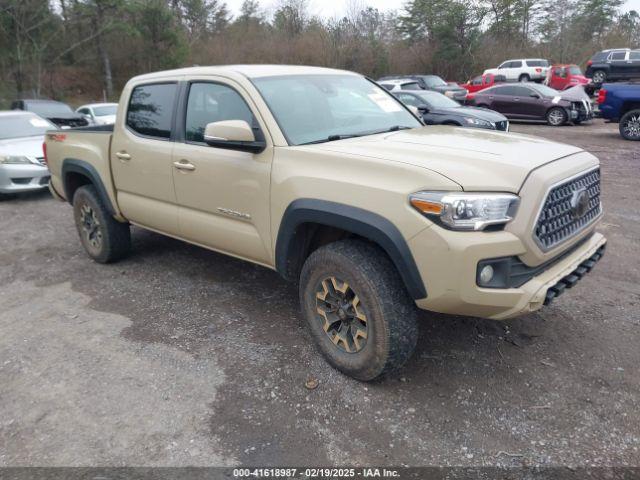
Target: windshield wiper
[(333, 138)]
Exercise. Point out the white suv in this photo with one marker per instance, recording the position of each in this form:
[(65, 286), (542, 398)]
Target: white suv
[(522, 70)]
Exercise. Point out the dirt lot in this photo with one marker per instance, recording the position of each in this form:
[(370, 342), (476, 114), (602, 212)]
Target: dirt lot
[(180, 356)]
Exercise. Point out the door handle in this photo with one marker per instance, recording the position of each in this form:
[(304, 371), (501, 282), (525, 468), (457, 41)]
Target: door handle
[(123, 156), (184, 165)]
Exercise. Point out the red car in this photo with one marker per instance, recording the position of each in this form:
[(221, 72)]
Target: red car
[(482, 82), (562, 77)]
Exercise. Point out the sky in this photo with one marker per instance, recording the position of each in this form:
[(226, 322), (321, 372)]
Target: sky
[(338, 8)]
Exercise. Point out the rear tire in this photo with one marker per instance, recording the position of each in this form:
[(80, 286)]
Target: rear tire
[(524, 78), (599, 77), (556, 116), (357, 308), (630, 125), (103, 237)]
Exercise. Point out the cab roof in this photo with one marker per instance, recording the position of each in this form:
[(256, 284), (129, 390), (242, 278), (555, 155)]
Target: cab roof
[(248, 71)]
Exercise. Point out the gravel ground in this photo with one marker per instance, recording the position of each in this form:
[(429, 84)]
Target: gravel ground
[(181, 356)]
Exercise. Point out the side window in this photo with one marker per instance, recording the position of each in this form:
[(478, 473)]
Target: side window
[(151, 109), (618, 56), (505, 65), (476, 81), (84, 111), (213, 102), (516, 64), (502, 91), (520, 91)]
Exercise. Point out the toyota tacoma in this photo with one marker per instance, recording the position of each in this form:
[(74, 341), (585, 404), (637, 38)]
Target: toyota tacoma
[(328, 179)]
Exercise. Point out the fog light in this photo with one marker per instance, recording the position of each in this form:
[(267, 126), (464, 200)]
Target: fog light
[(486, 274)]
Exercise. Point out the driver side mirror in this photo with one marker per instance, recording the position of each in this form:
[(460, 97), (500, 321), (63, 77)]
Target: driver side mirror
[(232, 135), (415, 110), (534, 95)]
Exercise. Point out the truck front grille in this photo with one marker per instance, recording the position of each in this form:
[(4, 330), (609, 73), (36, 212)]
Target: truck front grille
[(560, 217)]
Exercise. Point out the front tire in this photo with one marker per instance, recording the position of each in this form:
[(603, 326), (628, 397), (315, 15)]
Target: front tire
[(556, 116), (103, 237), (358, 311), (630, 125), (524, 78)]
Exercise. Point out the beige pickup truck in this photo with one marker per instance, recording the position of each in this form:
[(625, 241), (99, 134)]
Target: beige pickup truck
[(325, 177)]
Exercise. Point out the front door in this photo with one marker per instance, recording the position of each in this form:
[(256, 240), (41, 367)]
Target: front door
[(223, 195), (141, 158)]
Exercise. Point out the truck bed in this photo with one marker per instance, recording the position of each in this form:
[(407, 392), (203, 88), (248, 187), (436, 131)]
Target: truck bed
[(89, 145)]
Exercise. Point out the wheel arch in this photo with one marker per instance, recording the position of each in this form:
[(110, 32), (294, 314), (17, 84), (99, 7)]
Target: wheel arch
[(302, 216), (628, 106), (77, 173)]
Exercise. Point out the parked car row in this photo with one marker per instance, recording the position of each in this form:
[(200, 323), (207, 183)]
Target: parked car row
[(22, 163)]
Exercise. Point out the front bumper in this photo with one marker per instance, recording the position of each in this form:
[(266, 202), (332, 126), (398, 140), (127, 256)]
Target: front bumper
[(449, 265), (16, 178)]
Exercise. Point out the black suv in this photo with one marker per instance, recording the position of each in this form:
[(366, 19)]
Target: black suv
[(57, 112), (612, 65)]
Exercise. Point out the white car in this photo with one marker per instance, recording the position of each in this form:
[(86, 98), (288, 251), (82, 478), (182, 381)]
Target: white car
[(99, 113), (522, 70), (22, 163), (396, 85)]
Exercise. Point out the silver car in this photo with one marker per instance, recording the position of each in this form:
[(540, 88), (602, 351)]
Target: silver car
[(22, 164)]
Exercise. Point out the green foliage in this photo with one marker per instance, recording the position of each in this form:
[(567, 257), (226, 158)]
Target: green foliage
[(87, 47)]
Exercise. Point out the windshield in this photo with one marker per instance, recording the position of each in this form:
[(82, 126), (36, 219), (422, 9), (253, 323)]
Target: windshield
[(16, 126), (312, 108), (434, 81), (574, 70), (438, 100), (544, 90), (49, 109), (105, 110)]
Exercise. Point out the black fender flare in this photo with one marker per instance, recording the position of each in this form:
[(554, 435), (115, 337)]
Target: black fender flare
[(73, 165), (358, 221)]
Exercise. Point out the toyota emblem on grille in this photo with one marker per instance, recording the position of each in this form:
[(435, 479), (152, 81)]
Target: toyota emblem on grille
[(579, 203)]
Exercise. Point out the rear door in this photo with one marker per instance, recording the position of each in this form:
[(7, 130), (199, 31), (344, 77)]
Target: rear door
[(618, 64), (502, 99), (634, 64), (142, 155), (223, 194)]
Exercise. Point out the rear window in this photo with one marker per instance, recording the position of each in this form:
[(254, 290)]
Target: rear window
[(48, 109), (537, 63), (634, 55), (411, 86), (150, 110)]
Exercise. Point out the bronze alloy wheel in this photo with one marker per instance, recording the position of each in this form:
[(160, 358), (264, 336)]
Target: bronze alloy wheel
[(91, 229), (341, 315)]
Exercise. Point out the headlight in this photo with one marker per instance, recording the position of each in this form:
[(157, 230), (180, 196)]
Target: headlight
[(478, 123), (14, 160), (466, 211)]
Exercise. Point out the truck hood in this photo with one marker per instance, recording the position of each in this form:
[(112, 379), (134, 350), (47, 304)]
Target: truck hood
[(476, 159)]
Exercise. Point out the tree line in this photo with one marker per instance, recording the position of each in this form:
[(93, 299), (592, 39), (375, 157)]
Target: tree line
[(88, 49)]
